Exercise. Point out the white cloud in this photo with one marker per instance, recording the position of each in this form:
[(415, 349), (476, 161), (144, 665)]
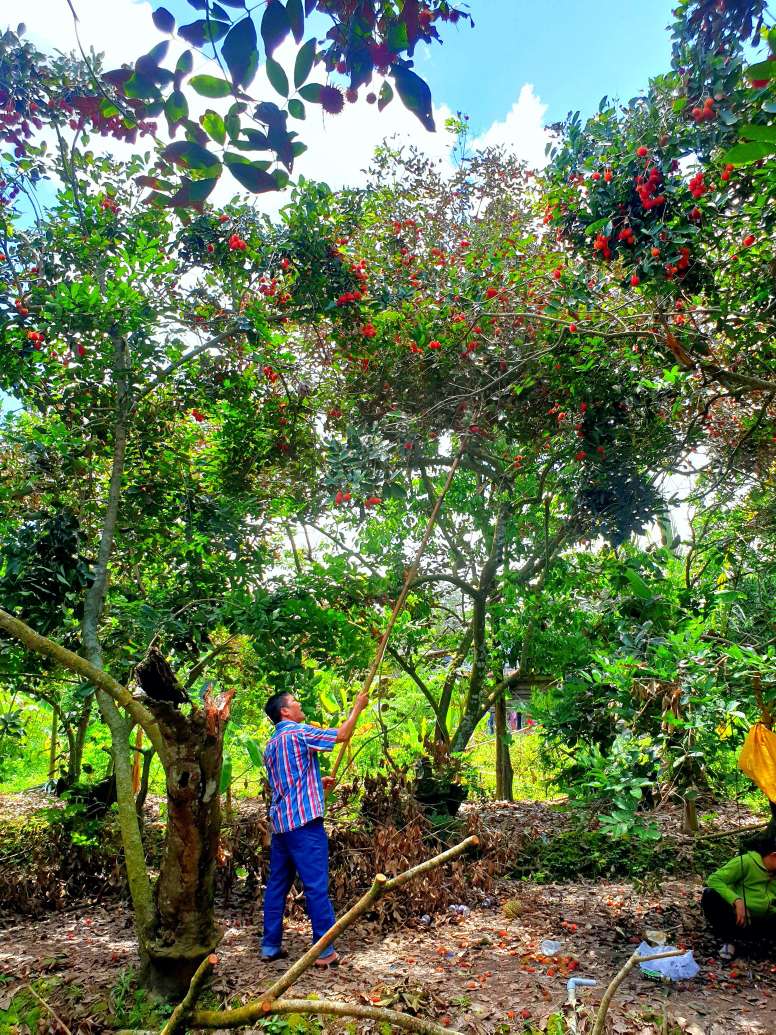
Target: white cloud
[(121, 28), (522, 130)]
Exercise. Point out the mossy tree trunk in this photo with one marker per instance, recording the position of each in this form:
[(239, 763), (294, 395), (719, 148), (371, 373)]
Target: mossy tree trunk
[(184, 930)]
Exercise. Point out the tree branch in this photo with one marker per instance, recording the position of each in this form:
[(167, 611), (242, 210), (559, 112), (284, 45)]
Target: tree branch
[(462, 584), (182, 1012), (22, 632), (184, 359), (210, 656), (412, 672), (618, 979)]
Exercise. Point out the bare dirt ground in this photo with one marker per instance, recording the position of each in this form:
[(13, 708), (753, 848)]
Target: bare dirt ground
[(482, 972)]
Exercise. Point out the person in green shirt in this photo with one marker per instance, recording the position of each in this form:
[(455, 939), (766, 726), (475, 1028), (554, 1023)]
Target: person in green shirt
[(740, 898)]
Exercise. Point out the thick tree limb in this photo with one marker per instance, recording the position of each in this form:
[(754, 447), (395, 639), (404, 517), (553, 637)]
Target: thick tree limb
[(462, 584), (731, 378), (94, 604), (332, 1008), (261, 1008), (184, 359), (452, 675)]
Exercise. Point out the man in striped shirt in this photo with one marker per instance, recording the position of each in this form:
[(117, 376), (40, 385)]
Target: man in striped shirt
[(299, 842)]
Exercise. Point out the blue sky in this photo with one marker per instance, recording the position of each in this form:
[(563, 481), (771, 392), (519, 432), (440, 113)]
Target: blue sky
[(572, 51)]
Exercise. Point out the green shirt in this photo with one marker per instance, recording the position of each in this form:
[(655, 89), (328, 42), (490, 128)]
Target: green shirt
[(745, 877)]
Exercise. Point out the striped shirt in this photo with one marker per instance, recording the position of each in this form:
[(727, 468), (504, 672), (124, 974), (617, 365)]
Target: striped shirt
[(294, 773)]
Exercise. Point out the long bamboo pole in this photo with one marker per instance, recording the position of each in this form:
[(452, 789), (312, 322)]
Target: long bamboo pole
[(412, 573)]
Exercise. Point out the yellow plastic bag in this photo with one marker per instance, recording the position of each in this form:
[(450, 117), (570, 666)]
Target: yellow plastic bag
[(758, 759)]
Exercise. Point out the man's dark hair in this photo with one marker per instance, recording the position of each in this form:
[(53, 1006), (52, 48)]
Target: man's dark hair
[(274, 704)]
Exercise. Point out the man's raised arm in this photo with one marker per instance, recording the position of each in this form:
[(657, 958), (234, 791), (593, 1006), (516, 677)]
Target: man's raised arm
[(345, 732)]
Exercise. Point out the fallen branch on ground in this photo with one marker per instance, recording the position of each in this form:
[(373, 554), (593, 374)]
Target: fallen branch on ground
[(182, 1012), (270, 1003), (718, 835), (618, 979), (43, 1002)]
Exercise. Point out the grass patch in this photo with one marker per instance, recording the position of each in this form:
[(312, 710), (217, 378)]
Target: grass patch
[(581, 854)]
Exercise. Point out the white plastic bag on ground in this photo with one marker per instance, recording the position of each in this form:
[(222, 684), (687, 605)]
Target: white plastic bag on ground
[(674, 968)]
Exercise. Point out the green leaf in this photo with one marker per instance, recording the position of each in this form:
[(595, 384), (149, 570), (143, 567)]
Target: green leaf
[(232, 120), (240, 51), (398, 37), (153, 182), (203, 31), (305, 60), (210, 86), (275, 26), (163, 20), (762, 70), (254, 751), (226, 774), (249, 174), (415, 95), (192, 194), (176, 108), (755, 132), (638, 585), (295, 14), (296, 109), (742, 154), (277, 77), (328, 704), (386, 96), (311, 92), (140, 88), (192, 156), (108, 110), (214, 126), (185, 63)]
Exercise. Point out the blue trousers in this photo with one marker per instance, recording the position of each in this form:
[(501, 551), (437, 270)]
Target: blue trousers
[(304, 851)]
